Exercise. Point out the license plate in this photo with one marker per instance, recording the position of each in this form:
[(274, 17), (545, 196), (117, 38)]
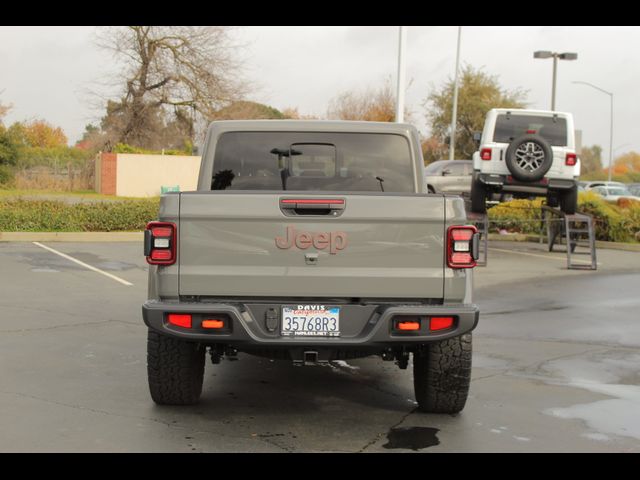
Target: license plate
[(311, 321)]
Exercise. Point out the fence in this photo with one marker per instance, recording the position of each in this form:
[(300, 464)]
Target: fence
[(67, 177)]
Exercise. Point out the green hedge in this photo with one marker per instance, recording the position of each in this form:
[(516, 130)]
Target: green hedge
[(55, 216), (125, 148), (612, 222)]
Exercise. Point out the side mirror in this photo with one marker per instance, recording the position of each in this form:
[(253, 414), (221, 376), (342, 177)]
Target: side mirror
[(445, 172)]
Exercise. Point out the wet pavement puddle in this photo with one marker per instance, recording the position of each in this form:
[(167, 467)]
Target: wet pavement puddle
[(412, 438)]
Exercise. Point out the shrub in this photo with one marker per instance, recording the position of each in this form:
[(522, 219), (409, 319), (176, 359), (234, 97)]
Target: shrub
[(613, 223), (616, 223), (56, 216), (522, 216), (6, 176)]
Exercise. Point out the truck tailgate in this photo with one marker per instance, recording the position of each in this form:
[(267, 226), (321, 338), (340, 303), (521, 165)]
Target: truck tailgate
[(375, 246)]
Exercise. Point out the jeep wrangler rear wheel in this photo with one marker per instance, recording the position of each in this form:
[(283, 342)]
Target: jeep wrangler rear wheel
[(175, 369), (442, 374), (568, 200), (478, 197)]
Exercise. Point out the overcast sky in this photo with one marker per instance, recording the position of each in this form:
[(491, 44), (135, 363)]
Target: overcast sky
[(45, 70)]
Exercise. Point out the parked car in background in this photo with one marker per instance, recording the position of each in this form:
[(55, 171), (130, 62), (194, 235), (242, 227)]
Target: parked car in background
[(601, 183), (613, 193), (449, 176), (634, 188)]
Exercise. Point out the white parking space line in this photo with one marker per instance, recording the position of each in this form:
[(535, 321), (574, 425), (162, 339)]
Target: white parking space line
[(549, 257), (518, 252), (85, 265)]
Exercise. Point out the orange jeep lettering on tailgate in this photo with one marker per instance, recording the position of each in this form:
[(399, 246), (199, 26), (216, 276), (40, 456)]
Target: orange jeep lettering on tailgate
[(334, 241)]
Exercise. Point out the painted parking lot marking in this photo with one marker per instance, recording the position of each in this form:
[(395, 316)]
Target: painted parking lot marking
[(85, 265), (518, 252)]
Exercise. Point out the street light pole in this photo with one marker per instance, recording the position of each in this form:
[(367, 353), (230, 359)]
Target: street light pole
[(553, 83), (454, 114), (402, 40), (610, 121), (555, 56)]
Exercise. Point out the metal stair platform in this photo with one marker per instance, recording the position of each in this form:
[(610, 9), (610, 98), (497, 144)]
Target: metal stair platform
[(578, 233)]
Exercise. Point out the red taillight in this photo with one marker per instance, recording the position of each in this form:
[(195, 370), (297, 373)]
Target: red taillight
[(161, 231), (440, 323), (180, 320), (571, 159), (312, 201), (460, 246), (160, 243), (485, 154), (162, 255)]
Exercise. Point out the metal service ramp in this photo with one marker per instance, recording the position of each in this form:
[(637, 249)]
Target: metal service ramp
[(578, 233)]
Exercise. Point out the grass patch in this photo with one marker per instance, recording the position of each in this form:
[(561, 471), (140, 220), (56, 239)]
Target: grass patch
[(20, 193)]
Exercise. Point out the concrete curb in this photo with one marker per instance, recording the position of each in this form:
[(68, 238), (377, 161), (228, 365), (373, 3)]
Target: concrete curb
[(521, 237), (71, 236)]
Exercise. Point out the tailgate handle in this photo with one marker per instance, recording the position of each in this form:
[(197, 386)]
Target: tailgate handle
[(312, 206)]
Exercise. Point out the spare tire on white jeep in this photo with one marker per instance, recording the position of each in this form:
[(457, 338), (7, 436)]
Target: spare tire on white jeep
[(529, 158)]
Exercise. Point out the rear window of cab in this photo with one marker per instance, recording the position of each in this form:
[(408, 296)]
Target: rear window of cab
[(318, 161), (552, 129)]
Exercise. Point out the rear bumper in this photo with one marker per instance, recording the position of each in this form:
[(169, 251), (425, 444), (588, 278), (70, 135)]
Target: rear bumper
[(506, 184), (364, 327)]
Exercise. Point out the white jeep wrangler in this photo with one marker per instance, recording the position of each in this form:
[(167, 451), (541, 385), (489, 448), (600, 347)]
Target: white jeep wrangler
[(527, 153)]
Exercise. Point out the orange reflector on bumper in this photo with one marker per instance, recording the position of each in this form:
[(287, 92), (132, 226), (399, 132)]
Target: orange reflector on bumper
[(408, 326), (440, 323), (180, 320), (213, 323)]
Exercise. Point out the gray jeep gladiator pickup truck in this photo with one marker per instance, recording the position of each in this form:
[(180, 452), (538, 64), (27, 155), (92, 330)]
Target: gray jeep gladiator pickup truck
[(311, 241)]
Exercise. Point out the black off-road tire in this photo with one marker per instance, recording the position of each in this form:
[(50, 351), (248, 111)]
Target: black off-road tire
[(568, 200), (175, 369), (539, 147), (442, 374), (478, 196)]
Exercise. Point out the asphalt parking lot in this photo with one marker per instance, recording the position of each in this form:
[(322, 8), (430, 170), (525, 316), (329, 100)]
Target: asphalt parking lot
[(556, 367)]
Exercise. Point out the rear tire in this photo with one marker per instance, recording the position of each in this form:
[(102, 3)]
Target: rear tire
[(442, 374), (569, 200), (478, 197), (175, 369)]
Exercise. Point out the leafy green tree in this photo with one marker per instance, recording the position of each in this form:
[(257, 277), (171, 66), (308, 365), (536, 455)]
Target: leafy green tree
[(8, 148), (591, 159), (478, 92)]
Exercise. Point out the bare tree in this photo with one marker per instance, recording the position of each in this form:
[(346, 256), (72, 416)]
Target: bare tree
[(372, 104), (180, 73)]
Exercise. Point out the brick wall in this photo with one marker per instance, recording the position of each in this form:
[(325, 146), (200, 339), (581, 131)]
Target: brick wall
[(108, 173)]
